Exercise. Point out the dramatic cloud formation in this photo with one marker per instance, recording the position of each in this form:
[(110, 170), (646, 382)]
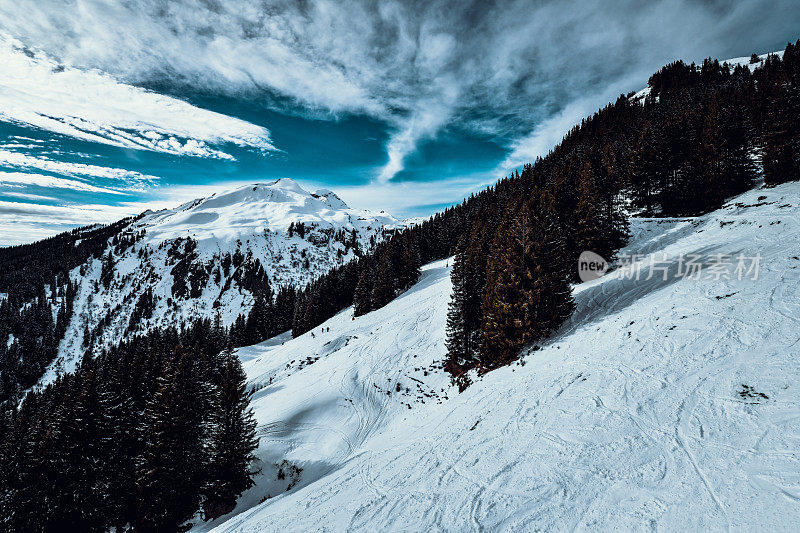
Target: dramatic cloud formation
[(499, 67), (94, 106), (513, 75)]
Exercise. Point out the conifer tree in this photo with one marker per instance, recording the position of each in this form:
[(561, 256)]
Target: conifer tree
[(464, 311), (77, 458), (408, 272), (383, 290), (457, 335), (125, 421), (170, 467), (259, 322), (506, 299), (527, 292), (232, 441), (589, 230), (781, 159), (362, 297)]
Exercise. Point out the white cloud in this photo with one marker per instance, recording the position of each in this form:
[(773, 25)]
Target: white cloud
[(411, 197), (19, 179), (94, 106), (28, 196), (423, 123), (499, 67), (549, 132), (25, 161), (22, 222)]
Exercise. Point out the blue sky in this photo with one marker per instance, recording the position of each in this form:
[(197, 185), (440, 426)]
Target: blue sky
[(398, 105)]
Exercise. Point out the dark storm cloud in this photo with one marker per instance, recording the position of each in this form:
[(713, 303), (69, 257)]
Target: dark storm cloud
[(522, 71)]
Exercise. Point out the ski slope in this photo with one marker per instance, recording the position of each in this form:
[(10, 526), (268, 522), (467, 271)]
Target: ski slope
[(662, 405)]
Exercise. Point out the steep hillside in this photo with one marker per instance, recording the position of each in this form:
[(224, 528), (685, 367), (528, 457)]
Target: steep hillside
[(205, 258), (665, 403)]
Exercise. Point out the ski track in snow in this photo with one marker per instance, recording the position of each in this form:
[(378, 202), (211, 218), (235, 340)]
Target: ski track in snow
[(631, 418)]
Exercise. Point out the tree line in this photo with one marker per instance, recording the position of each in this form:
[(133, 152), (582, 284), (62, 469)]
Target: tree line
[(144, 436), (700, 135), (37, 297)]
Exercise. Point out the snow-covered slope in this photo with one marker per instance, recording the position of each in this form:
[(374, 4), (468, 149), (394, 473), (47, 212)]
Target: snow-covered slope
[(664, 404), (252, 209), (193, 258)]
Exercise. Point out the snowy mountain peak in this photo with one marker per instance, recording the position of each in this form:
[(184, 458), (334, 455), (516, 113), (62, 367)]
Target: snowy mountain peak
[(284, 190), (252, 209), (331, 198), (195, 258), (287, 184)]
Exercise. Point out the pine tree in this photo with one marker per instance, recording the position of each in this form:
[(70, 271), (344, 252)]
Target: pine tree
[(464, 311), (781, 159), (738, 166), (527, 292), (299, 325), (362, 297), (457, 335), (383, 290), (260, 321), (170, 468), (709, 191), (409, 269), (77, 458), (22, 493), (589, 231), (505, 302), (557, 302), (616, 228), (232, 441), (650, 171), (124, 421)]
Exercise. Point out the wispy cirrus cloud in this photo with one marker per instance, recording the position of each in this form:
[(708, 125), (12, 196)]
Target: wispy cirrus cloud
[(94, 106), (22, 222), (130, 180), (21, 179)]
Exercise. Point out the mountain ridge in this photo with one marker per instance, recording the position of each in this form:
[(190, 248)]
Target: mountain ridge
[(199, 259)]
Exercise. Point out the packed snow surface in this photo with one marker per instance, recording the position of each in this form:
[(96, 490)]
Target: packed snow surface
[(93, 106), (663, 404)]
